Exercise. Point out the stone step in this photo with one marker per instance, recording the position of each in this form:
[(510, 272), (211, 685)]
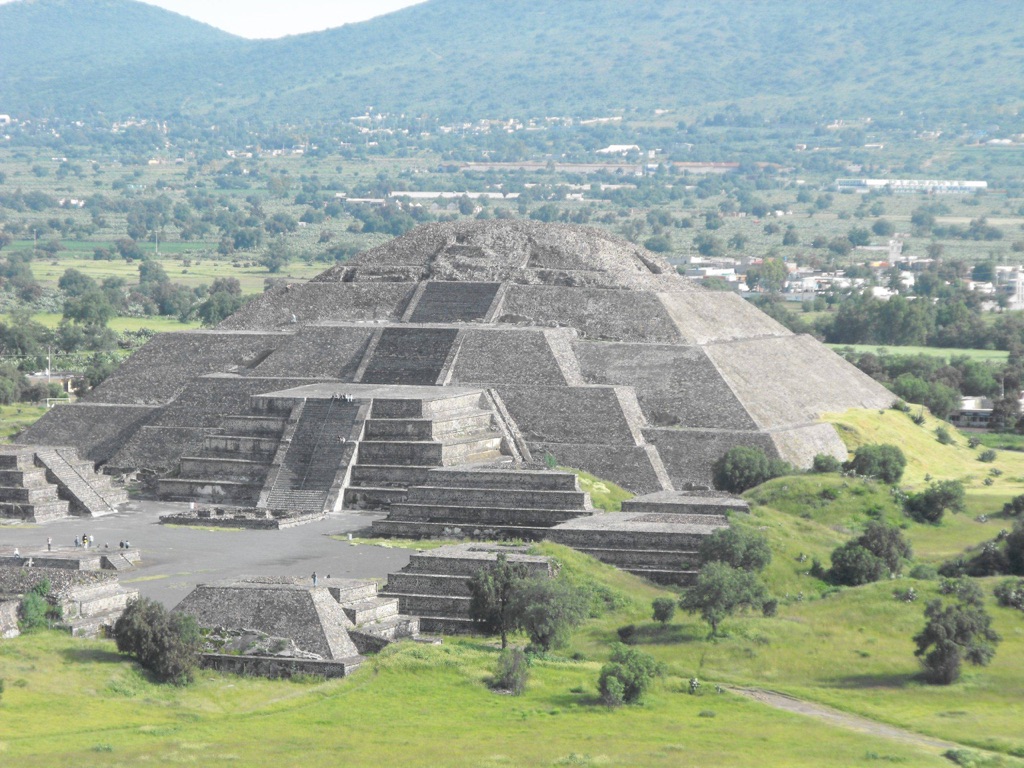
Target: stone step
[(227, 445), (506, 498), (419, 530), (387, 475), (368, 497), (89, 493), (208, 490), (507, 479), (644, 558), (352, 592), (205, 467), (255, 426), (664, 576), (428, 584), (35, 495), (388, 408), (430, 563), (475, 515), (35, 513), (431, 605), (441, 625), (23, 459), (23, 478), (451, 425), (297, 501), (611, 539), (371, 609)]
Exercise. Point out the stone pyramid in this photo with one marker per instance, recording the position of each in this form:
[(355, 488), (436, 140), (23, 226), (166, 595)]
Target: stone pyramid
[(458, 343)]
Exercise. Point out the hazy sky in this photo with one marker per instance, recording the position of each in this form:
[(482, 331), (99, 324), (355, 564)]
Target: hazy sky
[(277, 18)]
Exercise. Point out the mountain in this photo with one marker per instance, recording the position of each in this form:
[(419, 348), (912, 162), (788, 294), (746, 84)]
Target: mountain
[(471, 59)]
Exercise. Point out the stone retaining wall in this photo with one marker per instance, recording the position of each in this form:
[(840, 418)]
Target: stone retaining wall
[(275, 667)]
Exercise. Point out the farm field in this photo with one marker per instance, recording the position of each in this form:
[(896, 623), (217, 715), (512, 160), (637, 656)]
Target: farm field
[(986, 355)]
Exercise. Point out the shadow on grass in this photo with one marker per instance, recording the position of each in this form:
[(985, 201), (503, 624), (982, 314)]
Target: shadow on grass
[(92, 655), (877, 681), (667, 634)]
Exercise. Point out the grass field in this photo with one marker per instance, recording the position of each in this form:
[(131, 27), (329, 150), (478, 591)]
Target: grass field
[(14, 418), (155, 323), (988, 355)]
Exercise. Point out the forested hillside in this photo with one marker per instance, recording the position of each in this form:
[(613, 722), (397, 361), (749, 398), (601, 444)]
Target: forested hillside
[(469, 59)]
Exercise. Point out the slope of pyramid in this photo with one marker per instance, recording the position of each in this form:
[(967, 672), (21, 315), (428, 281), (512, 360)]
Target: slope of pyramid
[(579, 344)]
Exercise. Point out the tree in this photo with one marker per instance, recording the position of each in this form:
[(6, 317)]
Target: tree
[(883, 228), (769, 276), (664, 609), (546, 609), (884, 461), (492, 590), (91, 309), (743, 467), (75, 283), (218, 306), (738, 547), (933, 502), (512, 672), (887, 543), (167, 644), (35, 611), (627, 675), (720, 591), (953, 634)]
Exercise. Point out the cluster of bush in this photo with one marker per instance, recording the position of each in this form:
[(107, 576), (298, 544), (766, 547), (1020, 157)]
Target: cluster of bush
[(164, 643)]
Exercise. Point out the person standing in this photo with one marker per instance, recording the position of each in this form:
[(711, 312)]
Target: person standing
[(49, 544)]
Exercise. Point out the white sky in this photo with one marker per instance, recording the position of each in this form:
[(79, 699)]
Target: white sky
[(277, 18)]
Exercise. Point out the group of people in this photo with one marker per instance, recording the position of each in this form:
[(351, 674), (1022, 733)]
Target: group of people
[(87, 541)]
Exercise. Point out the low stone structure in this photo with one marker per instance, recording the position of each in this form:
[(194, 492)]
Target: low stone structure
[(39, 483), (90, 599), (275, 625), (435, 583)]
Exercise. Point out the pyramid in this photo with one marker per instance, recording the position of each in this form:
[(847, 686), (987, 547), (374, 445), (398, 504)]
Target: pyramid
[(459, 343)]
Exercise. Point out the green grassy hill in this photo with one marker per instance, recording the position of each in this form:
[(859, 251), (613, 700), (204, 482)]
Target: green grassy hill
[(525, 57)]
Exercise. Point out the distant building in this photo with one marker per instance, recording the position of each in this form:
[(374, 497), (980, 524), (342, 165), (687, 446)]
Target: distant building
[(934, 186)]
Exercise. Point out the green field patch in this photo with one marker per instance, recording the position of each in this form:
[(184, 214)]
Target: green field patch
[(604, 494), (988, 355), (15, 418)]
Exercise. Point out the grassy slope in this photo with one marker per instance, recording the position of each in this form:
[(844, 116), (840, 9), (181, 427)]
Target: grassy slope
[(993, 355), (850, 648)]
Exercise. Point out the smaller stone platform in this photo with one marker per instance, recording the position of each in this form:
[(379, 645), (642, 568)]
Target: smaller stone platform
[(435, 583), (247, 518)]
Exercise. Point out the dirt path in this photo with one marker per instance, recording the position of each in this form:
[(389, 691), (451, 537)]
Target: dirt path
[(844, 719)]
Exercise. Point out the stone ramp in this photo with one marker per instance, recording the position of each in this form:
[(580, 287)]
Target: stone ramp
[(90, 494), (454, 302), (413, 356), (319, 448)]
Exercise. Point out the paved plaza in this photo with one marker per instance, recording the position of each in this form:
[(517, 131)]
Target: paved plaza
[(175, 559)]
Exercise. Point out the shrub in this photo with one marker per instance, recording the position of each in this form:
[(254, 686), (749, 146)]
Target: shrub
[(664, 608), (743, 467), (770, 608), (953, 634), (931, 504), (627, 634), (823, 462), (853, 565), (887, 543), (513, 671), (943, 436), (738, 547), (884, 461), (627, 676), (973, 442), (1010, 593), (924, 572), (35, 611), (167, 644), (988, 455), (1015, 549), (1014, 506)]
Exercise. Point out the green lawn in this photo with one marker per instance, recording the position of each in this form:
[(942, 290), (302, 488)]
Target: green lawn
[(156, 323), (14, 418)]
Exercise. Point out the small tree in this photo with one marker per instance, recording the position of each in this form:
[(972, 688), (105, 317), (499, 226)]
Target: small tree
[(887, 543), (953, 634), (664, 609), (627, 676), (1010, 593), (35, 611), (720, 591), (491, 592), (546, 609), (933, 502), (738, 547), (824, 462), (743, 467), (167, 644), (884, 461)]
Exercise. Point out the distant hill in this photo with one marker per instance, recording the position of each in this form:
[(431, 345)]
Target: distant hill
[(471, 59)]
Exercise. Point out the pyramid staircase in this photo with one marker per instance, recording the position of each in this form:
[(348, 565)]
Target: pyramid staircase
[(404, 438), (38, 484)]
